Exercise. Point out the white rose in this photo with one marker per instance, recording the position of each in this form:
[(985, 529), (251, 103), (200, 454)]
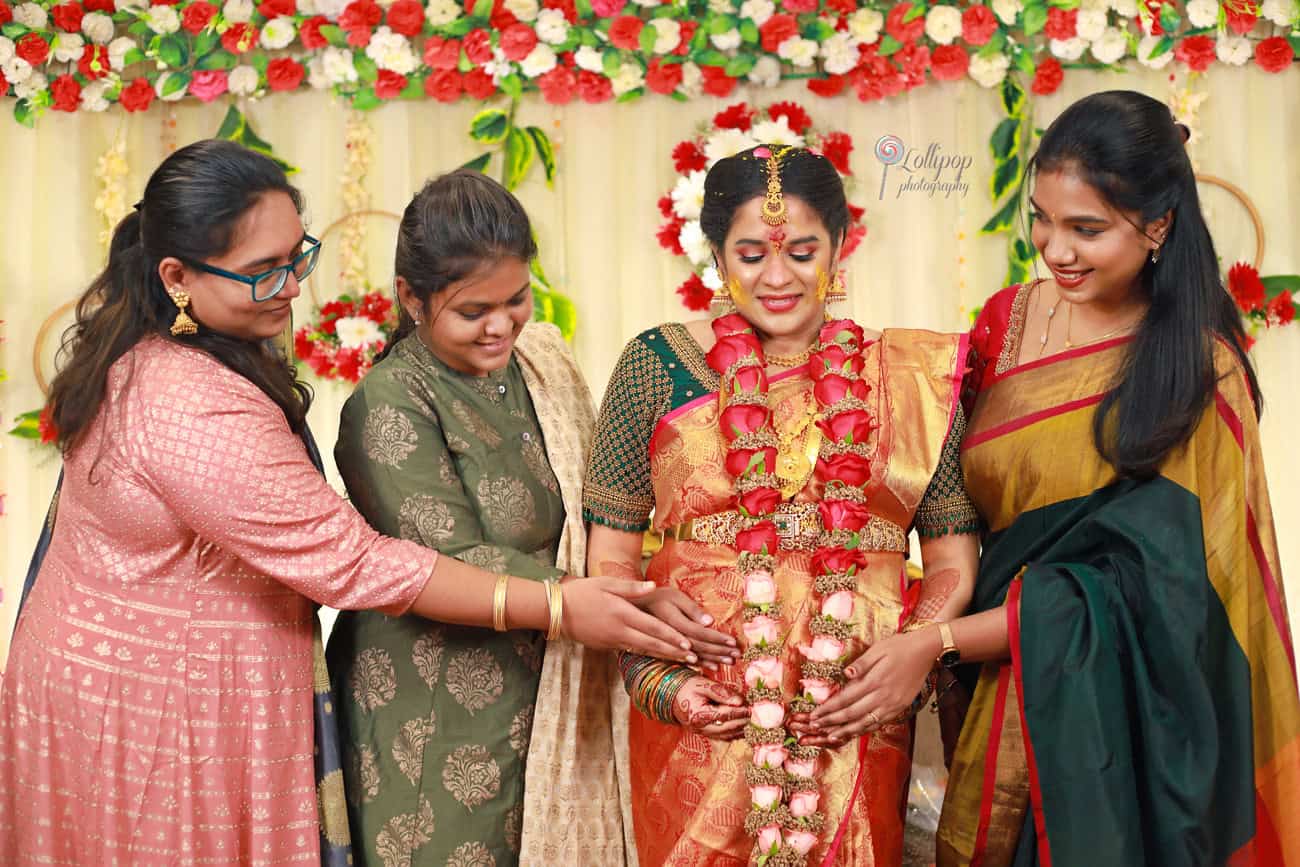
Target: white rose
[(440, 13), (839, 54), (355, 332), (307, 8), (524, 10), (688, 195), (1068, 49), (692, 80), (767, 71), (117, 51), (332, 9), (722, 7), (988, 71), (1090, 24), (391, 50), (16, 70), (278, 33), (649, 4), (1144, 49), (316, 76), (135, 6), (1126, 9), (1101, 5), (6, 50), (709, 276), (726, 41), (590, 59), (31, 16), (337, 66), (864, 26), (776, 132), (1203, 13), (161, 84), (552, 27), (1111, 46), (668, 35), (757, 11), (694, 244), (237, 11), (629, 77), (98, 28), (943, 24), (1280, 12), (242, 80), (68, 47), (162, 19), (539, 61), (499, 66), (32, 85), (799, 51), (92, 96), (1234, 50), (726, 143), (1007, 10)]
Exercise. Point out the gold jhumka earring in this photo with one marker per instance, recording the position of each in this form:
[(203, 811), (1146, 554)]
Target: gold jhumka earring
[(183, 324)]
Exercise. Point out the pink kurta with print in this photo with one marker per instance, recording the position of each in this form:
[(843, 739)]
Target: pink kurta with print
[(157, 707)]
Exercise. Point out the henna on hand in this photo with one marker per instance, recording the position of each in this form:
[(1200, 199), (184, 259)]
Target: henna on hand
[(936, 590)]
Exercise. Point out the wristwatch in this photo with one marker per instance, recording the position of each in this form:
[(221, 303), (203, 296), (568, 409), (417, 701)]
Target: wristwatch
[(949, 656)]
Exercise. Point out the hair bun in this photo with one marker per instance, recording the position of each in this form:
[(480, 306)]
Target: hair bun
[(1184, 130)]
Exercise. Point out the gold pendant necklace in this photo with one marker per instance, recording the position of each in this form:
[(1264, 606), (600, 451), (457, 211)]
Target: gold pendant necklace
[(796, 453), (789, 360), (1070, 344)]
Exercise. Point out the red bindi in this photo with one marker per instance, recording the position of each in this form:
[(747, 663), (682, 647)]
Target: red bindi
[(777, 237)]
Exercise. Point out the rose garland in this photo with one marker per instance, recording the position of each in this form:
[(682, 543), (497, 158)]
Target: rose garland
[(784, 792)]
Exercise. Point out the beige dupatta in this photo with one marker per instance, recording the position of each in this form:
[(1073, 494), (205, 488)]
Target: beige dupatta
[(577, 802)]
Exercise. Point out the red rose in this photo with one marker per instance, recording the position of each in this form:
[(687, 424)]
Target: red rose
[(836, 147), (1047, 77), (949, 62), (348, 362), (778, 29), (1061, 23), (843, 515), (851, 469), (716, 82), (913, 60), (844, 333), (66, 93), (669, 236), (741, 461), (1281, 309), (842, 7), (517, 40), (94, 62), (208, 84), (375, 307), (303, 346), (798, 7), (239, 38), (277, 8), (1197, 52), (594, 88), (106, 6), (45, 425), (406, 17), (833, 359), (389, 84), (309, 32), (832, 388), (1246, 287), (359, 37), (478, 47), (199, 14), (694, 294), (687, 157), (749, 380), (687, 31), (137, 95), (851, 426), (32, 48), (978, 24), (478, 84), (730, 349), (444, 85), (732, 323), (4, 89), (625, 32), (795, 117), (67, 16), (831, 561), (831, 85), (441, 53), (6, 13), (1241, 16), (663, 78), (742, 418), (558, 86), (760, 501), (739, 116), (1273, 54), (904, 32), (665, 203), (759, 538), (361, 15), (284, 73), (568, 7)]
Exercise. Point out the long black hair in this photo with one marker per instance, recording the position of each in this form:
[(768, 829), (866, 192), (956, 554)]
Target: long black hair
[(457, 224), (1129, 148), (191, 207)]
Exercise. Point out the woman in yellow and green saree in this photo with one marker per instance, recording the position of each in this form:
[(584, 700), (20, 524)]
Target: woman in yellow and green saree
[(784, 458), (1138, 700)]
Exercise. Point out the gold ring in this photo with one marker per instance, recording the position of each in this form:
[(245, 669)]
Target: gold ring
[(875, 720)]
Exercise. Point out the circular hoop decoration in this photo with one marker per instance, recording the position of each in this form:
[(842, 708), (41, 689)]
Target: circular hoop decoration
[(1240, 195), (337, 224), (38, 346)]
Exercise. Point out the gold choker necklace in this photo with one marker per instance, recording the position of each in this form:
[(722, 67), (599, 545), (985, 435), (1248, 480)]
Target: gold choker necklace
[(790, 360)]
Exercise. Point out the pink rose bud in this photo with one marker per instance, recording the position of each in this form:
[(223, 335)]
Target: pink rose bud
[(760, 589), (818, 689), (800, 841), (801, 767), (769, 837), (766, 669), (767, 714), (823, 649), (770, 755), (765, 797), (804, 803), (762, 629), (839, 605)]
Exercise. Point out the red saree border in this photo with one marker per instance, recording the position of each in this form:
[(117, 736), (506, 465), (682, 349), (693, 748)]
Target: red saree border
[(863, 744), (991, 767), (677, 412), (1035, 792), (1023, 421), (1067, 355)]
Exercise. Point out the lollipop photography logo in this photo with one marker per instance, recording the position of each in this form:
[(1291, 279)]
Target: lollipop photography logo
[(930, 171)]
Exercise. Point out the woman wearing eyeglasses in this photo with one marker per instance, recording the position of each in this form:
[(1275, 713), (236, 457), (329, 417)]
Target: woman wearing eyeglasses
[(158, 705)]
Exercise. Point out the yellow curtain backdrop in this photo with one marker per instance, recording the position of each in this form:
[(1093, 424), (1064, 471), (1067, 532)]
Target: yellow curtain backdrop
[(923, 263)]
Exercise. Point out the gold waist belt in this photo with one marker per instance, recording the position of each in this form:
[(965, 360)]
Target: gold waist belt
[(798, 526)]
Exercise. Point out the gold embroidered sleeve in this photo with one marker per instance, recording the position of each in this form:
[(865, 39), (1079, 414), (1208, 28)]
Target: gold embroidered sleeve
[(946, 507)]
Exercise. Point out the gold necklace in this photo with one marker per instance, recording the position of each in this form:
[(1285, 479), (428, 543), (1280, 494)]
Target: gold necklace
[(795, 459), (1069, 344), (1047, 328), (789, 360)]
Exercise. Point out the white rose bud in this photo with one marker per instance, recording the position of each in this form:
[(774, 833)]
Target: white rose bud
[(243, 80)]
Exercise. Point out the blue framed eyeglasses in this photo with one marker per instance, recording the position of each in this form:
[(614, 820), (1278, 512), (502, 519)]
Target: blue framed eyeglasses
[(268, 284)]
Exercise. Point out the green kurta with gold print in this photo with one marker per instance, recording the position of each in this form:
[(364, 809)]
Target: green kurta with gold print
[(435, 719)]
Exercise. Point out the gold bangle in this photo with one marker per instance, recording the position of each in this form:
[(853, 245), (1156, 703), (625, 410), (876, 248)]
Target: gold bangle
[(499, 603), (554, 604)]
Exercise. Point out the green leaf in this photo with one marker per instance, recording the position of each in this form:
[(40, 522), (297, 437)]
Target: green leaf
[(1004, 175), (25, 113), (1034, 19), (1017, 272), (916, 11), (28, 426), (545, 152), (749, 32), (479, 163), (459, 27), (365, 99), (610, 63), (719, 24), (1005, 218), (334, 35), (1295, 43), (535, 266), (512, 86), (1013, 97), (489, 126), (583, 8), (518, 157), (414, 88), (632, 95), (367, 71), (1023, 251), (1281, 283), (135, 55), (13, 30), (711, 58), (482, 9), (889, 45), (649, 36), (217, 60), (205, 42), (553, 307), (1005, 139), (741, 65), (1169, 18), (818, 30), (176, 83), (1164, 46), (588, 38), (231, 125), (994, 46), (173, 51)]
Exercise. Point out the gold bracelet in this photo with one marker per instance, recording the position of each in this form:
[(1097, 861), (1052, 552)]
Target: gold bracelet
[(918, 625), (499, 603), (554, 604)]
